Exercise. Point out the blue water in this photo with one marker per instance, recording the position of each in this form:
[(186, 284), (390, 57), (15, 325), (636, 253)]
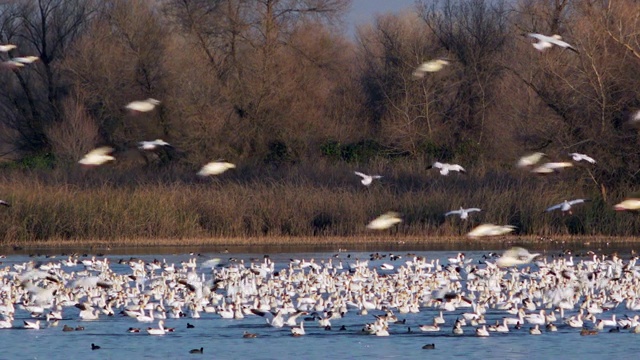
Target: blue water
[(222, 339)]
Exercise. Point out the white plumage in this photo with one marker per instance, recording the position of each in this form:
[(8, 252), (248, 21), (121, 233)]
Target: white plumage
[(367, 179), (580, 157), (97, 156), (385, 221), (545, 42), (143, 105), (464, 213), (152, 145), (215, 168), (429, 66), (566, 205), (446, 168)]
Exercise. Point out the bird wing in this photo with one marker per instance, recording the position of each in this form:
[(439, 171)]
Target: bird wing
[(453, 212), (473, 209), (438, 165), (456, 167), (100, 151), (554, 207), (364, 176), (577, 201), (539, 37)]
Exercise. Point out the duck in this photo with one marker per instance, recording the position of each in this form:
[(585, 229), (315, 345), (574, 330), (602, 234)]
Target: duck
[(67, 328), (248, 335), (142, 105), (94, 347), (429, 346), (133, 330), (367, 179), (544, 42), (197, 351), (215, 168)]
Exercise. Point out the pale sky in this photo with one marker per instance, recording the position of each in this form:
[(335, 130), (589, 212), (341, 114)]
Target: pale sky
[(364, 11)]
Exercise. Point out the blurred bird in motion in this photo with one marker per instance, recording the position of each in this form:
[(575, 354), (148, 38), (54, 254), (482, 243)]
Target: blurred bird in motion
[(429, 66), (490, 230), (385, 221), (97, 156), (515, 256)]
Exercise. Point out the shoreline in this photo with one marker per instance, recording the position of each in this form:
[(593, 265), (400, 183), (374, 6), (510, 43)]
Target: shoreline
[(297, 244)]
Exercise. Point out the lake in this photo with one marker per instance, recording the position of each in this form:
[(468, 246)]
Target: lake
[(222, 338)]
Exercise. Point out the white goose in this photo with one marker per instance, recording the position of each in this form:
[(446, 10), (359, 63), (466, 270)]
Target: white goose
[(446, 168), (429, 66), (628, 205), (515, 256), (385, 221), (551, 167), (545, 42), (490, 230), (32, 325), (7, 47), (215, 168), (565, 206), (464, 213), (577, 157), (367, 179), (152, 145), (97, 156), (530, 160), (143, 105)]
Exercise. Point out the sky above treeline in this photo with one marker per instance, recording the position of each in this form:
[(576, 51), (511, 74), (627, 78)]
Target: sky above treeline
[(364, 11)]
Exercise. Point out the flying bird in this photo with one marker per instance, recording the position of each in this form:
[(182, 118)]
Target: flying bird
[(628, 205), (580, 157), (385, 221), (429, 66), (215, 168), (367, 179), (551, 167), (490, 230), (446, 168), (464, 213), (566, 205), (97, 156), (515, 256), (152, 145), (530, 160), (143, 105), (5, 203), (7, 47), (544, 42), (25, 59)]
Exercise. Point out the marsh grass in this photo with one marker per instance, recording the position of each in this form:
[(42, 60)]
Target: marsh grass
[(304, 204)]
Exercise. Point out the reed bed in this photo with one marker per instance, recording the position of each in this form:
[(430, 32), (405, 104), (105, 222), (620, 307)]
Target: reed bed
[(302, 203)]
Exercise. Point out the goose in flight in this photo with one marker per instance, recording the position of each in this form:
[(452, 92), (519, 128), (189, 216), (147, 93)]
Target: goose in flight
[(515, 256), (544, 42), (446, 168), (143, 105), (7, 47), (530, 160), (152, 145), (464, 213), (551, 167), (429, 66), (566, 205), (577, 157), (385, 221), (25, 59), (215, 168), (367, 179), (5, 203), (628, 205), (490, 230), (97, 156)]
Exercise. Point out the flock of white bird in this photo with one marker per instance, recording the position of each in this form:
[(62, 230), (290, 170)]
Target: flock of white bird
[(496, 294)]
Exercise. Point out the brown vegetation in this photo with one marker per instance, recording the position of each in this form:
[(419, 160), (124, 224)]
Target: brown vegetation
[(277, 88)]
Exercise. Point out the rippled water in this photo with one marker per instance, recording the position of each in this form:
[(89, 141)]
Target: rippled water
[(222, 339)]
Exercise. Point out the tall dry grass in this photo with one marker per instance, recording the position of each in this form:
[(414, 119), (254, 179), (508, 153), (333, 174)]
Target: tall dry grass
[(301, 201)]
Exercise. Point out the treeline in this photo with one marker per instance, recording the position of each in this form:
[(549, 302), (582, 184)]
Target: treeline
[(280, 89)]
